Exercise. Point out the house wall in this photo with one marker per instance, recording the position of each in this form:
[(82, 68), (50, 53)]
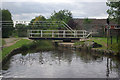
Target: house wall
[(96, 25)]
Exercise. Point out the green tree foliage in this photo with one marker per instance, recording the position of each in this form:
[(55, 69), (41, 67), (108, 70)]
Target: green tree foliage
[(21, 30), (63, 15), (0, 14), (31, 22), (7, 23), (114, 11), (114, 14), (37, 22), (54, 22), (39, 18)]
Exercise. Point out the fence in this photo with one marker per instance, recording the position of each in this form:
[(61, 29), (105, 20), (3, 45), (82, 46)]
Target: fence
[(58, 33)]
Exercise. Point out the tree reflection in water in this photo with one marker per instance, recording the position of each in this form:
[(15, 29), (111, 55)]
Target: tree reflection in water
[(63, 57)]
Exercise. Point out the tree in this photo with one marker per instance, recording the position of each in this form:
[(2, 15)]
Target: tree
[(37, 22), (54, 22), (0, 14), (114, 11), (63, 15), (7, 23), (114, 14), (21, 30), (39, 18)]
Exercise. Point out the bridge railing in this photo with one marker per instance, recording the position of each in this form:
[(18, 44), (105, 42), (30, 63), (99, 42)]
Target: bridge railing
[(57, 34)]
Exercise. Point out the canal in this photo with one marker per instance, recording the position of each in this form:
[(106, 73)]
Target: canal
[(62, 63)]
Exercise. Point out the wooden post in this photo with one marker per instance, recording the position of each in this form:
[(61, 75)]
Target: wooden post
[(107, 35), (107, 31), (111, 41), (111, 38), (41, 33)]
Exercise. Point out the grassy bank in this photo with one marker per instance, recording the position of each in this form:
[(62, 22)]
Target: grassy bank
[(38, 45), (20, 43), (28, 45), (3, 42), (102, 41), (79, 43)]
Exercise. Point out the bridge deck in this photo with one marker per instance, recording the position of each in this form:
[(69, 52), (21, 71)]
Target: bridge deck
[(41, 38), (57, 34)]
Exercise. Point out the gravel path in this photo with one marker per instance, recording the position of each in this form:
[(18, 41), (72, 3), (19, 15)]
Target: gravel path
[(10, 41)]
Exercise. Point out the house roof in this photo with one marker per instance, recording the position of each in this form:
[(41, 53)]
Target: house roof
[(80, 21)]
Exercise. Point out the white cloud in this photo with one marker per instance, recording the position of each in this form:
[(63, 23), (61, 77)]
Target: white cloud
[(101, 16), (77, 13), (27, 16), (41, 1), (28, 10), (55, 1), (24, 16)]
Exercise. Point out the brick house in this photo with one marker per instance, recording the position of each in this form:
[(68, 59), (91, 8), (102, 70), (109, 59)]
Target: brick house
[(96, 25)]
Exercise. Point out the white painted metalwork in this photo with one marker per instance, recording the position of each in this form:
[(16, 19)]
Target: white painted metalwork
[(66, 26), (58, 34), (69, 33)]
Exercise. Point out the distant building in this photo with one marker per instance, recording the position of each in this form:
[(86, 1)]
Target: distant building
[(96, 25)]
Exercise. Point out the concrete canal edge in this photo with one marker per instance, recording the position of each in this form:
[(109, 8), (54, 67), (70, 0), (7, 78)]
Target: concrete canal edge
[(66, 45), (9, 55), (19, 43)]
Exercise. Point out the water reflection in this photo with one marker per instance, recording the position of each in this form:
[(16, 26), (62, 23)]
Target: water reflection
[(62, 63)]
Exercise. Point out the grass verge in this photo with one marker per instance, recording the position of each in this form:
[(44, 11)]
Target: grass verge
[(38, 45), (103, 41), (3, 42), (100, 40), (28, 46), (18, 44), (79, 43)]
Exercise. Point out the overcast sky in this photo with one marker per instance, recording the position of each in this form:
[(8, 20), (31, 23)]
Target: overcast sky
[(24, 10)]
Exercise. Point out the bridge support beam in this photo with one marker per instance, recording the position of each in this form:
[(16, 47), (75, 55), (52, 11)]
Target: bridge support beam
[(66, 40)]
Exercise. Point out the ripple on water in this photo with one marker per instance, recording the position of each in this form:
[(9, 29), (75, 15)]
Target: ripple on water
[(61, 64)]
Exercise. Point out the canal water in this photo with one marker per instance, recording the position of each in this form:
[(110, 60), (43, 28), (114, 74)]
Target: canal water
[(61, 63)]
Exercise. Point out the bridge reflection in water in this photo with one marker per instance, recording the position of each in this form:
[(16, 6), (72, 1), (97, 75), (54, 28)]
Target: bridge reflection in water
[(62, 63)]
